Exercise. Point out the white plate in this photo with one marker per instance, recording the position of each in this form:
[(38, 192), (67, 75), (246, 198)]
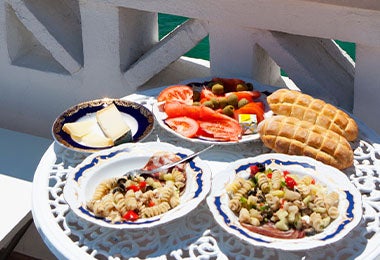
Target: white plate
[(350, 204), (138, 118), (161, 115), (82, 180)]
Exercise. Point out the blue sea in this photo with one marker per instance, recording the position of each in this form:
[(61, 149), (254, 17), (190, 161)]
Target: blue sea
[(169, 22)]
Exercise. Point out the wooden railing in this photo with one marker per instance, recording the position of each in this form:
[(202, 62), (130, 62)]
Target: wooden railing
[(55, 53)]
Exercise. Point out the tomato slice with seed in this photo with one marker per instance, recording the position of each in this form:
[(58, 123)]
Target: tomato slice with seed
[(226, 130), (184, 126), (180, 93)]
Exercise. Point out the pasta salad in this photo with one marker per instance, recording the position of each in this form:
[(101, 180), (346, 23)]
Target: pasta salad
[(281, 204), (143, 196)]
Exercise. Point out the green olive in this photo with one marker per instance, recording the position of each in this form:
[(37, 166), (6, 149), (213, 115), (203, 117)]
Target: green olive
[(241, 87), (232, 100), (215, 102), (217, 89), (242, 102), (228, 110), (196, 103), (223, 102), (209, 104)]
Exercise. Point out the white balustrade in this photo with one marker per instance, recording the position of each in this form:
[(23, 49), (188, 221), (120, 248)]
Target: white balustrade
[(56, 53)]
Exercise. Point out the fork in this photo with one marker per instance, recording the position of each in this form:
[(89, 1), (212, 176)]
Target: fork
[(166, 166)]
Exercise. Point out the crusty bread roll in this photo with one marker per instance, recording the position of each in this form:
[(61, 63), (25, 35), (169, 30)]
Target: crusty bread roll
[(292, 136), (302, 106)]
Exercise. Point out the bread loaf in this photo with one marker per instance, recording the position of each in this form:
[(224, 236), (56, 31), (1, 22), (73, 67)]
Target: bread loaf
[(292, 136), (304, 107)]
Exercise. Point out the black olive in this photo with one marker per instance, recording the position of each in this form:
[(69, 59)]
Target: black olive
[(121, 180), (261, 167), (310, 232), (121, 186), (117, 189)]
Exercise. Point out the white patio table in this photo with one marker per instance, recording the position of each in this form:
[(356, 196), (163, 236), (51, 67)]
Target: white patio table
[(197, 235)]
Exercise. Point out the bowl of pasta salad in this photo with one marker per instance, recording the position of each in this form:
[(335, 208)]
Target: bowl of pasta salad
[(285, 202), (101, 190)]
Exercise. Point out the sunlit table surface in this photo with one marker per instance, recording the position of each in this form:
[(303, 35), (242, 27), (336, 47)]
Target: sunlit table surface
[(196, 235)]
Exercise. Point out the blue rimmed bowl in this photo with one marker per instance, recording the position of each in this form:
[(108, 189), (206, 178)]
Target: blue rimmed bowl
[(114, 162), (350, 203), (138, 117)]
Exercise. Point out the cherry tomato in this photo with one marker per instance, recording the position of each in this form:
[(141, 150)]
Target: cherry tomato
[(133, 187), (180, 93), (269, 175), (142, 184), (290, 182), (184, 126), (254, 169), (151, 204), (131, 215)]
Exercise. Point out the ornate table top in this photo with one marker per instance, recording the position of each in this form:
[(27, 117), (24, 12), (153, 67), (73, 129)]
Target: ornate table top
[(199, 236)]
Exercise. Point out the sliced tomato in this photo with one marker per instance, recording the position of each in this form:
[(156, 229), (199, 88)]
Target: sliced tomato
[(180, 93), (207, 94), (177, 109), (227, 130), (249, 95), (184, 126), (254, 108)]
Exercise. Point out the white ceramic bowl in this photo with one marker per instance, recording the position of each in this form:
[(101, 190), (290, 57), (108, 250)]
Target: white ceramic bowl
[(114, 162), (350, 204)]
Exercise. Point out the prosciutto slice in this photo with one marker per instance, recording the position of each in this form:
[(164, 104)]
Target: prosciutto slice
[(271, 231), (159, 159)]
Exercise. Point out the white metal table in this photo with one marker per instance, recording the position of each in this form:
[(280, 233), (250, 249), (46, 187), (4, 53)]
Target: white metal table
[(197, 235)]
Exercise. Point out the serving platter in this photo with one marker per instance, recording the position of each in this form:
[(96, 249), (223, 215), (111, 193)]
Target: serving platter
[(114, 162), (160, 115), (350, 203), (138, 118)]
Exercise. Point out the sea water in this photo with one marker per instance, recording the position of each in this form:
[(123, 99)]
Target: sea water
[(168, 22)]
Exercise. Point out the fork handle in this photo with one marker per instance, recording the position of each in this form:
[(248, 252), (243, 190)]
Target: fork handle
[(167, 166)]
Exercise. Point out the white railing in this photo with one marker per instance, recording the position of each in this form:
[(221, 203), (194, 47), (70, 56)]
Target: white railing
[(56, 53)]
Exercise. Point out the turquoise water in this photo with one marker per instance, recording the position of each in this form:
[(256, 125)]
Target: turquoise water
[(169, 22)]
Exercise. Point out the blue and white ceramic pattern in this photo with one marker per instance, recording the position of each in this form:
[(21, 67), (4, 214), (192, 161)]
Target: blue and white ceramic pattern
[(350, 203), (139, 119), (114, 162)]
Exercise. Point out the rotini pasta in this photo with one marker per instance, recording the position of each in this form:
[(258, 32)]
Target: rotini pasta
[(283, 201), (130, 198)]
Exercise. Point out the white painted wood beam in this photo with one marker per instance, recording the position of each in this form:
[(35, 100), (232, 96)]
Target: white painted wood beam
[(40, 32), (317, 66), (169, 49), (336, 20), (367, 86), (235, 53)]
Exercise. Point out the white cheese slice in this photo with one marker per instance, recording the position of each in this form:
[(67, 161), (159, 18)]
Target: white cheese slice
[(94, 139), (113, 125), (79, 129)]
